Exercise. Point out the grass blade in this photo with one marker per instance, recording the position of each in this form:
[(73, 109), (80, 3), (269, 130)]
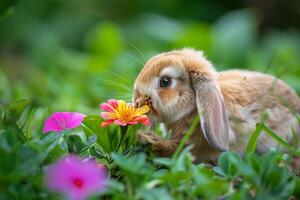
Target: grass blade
[(278, 139), (253, 139), (262, 127), (186, 137)]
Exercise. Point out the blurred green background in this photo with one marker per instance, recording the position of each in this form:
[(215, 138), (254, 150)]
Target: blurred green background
[(69, 55)]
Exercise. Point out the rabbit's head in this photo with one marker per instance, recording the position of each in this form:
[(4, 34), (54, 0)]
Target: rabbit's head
[(177, 83)]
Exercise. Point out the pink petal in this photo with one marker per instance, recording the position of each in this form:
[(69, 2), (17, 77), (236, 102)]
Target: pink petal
[(146, 122), (143, 119), (107, 122), (133, 122), (107, 107), (113, 102), (106, 115), (74, 119), (60, 121), (110, 105), (120, 122), (60, 177), (51, 125)]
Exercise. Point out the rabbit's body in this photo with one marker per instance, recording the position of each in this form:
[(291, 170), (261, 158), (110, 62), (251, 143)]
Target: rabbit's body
[(252, 97), (179, 85)]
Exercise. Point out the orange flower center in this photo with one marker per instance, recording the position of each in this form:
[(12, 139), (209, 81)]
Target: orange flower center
[(127, 113)]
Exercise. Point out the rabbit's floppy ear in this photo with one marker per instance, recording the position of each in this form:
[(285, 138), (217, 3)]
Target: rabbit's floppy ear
[(211, 108)]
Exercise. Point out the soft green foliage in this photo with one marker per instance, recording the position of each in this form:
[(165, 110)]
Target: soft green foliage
[(67, 56), (135, 173), (71, 55)]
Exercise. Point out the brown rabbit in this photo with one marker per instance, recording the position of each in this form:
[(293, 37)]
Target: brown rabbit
[(181, 84)]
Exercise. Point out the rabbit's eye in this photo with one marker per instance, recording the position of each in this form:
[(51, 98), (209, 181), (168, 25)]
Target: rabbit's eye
[(165, 81)]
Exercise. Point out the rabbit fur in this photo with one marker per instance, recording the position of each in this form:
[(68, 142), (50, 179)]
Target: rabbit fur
[(229, 104)]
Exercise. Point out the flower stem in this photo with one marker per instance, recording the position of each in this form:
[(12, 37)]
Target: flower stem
[(122, 135)]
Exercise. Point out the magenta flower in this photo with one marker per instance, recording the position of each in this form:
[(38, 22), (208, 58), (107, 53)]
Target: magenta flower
[(76, 179), (60, 121)]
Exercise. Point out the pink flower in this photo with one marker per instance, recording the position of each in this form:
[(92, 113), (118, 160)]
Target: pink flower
[(120, 113), (76, 179), (60, 121)]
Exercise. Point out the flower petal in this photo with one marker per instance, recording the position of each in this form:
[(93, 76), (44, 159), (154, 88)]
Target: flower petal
[(120, 122), (121, 113), (60, 121), (146, 122), (93, 179), (143, 119), (144, 109), (107, 115), (107, 122), (51, 125), (74, 120), (106, 107), (133, 122), (122, 106), (113, 103)]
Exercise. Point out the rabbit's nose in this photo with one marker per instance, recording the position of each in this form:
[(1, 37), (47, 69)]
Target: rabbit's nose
[(142, 101)]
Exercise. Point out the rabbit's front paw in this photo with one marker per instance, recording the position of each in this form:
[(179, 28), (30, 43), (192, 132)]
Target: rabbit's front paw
[(147, 137)]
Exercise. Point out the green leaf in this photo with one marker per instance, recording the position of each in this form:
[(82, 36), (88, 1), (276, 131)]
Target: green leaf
[(296, 191), (135, 164), (116, 186), (163, 161), (230, 164), (97, 153), (184, 160), (154, 194), (269, 179), (207, 184), (75, 144), (91, 126), (91, 141), (50, 141), (15, 110), (14, 129)]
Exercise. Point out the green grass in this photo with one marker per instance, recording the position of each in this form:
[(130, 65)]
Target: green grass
[(135, 172), (263, 128)]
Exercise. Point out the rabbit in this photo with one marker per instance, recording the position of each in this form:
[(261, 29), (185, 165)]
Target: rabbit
[(182, 84)]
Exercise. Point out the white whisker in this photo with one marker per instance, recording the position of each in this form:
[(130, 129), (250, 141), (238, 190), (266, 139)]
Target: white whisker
[(120, 77), (137, 49), (131, 56), (110, 83)]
